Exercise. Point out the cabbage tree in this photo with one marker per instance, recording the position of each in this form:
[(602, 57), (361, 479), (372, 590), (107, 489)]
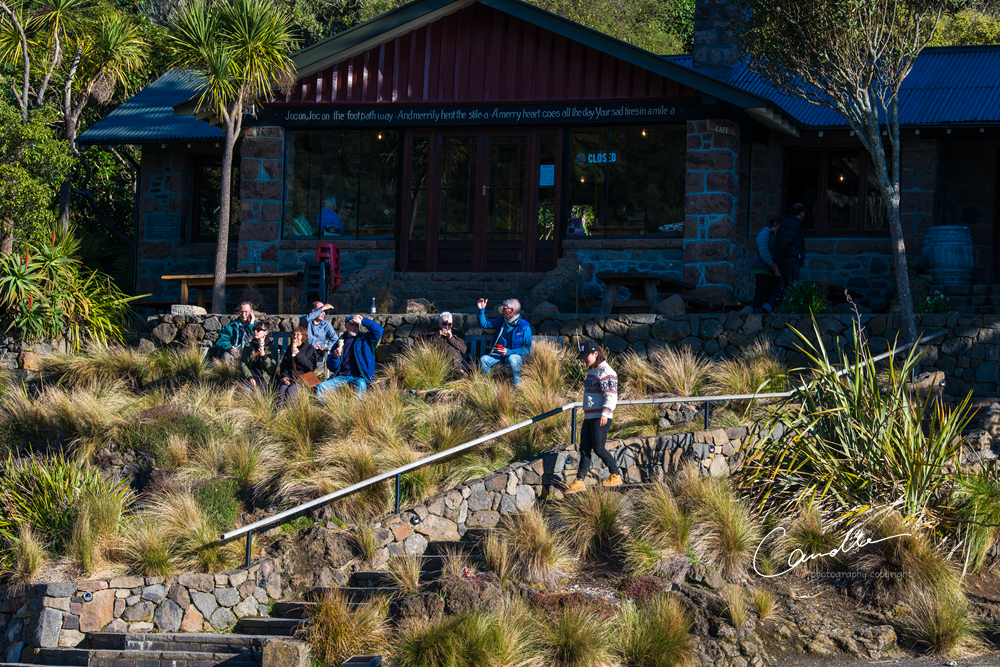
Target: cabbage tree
[(238, 52)]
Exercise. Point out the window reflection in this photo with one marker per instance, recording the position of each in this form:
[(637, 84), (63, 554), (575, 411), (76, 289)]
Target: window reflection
[(327, 194)]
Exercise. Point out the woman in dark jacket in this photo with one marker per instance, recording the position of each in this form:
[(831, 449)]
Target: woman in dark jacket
[(259, 360), (301, 357)]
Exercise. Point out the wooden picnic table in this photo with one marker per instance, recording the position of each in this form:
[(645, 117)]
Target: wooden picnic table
[(201, 281), (642, 283)]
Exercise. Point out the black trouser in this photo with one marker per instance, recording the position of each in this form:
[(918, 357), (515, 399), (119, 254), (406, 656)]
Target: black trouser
[(593, 437), (764, 287)]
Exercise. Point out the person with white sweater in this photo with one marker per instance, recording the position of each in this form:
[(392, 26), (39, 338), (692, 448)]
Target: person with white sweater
[(600, 396)]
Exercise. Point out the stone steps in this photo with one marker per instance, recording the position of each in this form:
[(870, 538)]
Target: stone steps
[(110, 649), (272, 627), (458, 292)]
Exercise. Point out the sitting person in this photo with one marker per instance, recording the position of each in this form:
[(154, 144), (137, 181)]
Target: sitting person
[(329, 221), (448, 340), (235, 335), (512, 341), (259, 360), (352, 362), (322, 335), (300, 358)]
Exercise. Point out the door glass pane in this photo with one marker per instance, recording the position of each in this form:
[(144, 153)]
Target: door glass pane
[(303, 184), (626, 164), (803, 177), (419, 164), (340, 183), (458, 183), (588, 179), (508, 162), (843, 180), (667, 156), (545, 224), (374, 213)]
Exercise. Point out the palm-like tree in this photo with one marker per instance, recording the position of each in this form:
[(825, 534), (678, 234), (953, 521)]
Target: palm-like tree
[(238, 51)]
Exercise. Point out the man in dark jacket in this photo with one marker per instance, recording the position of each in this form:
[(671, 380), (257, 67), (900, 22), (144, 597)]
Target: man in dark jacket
[(789, 251), (448, 340), (235, 335), (353, 360)]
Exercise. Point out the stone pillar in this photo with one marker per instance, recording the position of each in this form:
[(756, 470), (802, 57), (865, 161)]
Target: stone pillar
[(715, 50), (261, 190), (712, 195)]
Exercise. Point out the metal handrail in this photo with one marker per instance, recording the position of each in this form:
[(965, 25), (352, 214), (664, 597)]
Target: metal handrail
[(457, 449)]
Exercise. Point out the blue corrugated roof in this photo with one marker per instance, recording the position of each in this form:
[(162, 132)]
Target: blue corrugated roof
[(949, 85), (149, 116)]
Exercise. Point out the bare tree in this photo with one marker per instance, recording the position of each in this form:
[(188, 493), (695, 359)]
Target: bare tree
[(851, 56)]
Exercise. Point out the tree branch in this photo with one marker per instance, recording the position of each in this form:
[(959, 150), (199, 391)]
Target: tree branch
[(56, 59), (22, 99)]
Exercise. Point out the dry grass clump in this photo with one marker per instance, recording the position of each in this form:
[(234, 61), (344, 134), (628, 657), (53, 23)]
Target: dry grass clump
[(655, 634), (764, 602), (147, 549), (422, 366), (337, 630), (677, 371), (405, 572), (534, 398), (806, 540), (497, 557), (455, 564), (538, 552), (441, 426), (191, 536), (364, 539), (493, 401), (593, 523), (429, 643), (552, 367), (28, 555), (726, 534), (578, 638), (941, 622), (755, 369), (659, 527), (734, 600), (99, 364)]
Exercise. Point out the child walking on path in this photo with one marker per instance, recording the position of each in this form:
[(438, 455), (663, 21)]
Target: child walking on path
[(600, 395)]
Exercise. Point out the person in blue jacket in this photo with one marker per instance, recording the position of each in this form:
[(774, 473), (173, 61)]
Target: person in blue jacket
[(352, 362), (512, 342)]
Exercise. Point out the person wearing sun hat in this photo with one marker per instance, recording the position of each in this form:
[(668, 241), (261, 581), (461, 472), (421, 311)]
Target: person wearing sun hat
[(600, 396)]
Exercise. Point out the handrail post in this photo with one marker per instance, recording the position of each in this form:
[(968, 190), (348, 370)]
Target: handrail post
[(398, 487), (249, 545), (572, 427), (707, 413)]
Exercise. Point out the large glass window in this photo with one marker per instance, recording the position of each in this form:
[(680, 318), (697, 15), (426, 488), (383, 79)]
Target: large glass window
[(340, 184), (628, 181), (838, 189), (205, 212)]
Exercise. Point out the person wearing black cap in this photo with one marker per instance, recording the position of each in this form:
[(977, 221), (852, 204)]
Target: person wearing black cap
[(600, 395)]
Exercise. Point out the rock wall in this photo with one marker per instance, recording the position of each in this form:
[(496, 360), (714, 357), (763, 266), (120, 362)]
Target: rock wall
[(647, 255), (968, 354), (40, 616)]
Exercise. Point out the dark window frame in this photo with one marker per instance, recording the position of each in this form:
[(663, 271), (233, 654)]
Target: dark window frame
[(195, 234), (822, 154)]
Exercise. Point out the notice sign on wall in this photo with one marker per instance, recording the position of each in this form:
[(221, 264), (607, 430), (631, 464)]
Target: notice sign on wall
[(424, 116), (546, 175), (162, 226)]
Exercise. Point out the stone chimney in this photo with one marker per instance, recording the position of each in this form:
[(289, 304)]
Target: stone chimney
[(715, 50)]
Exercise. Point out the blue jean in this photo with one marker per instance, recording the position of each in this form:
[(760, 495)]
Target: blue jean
[(488, 361), (336, 382)]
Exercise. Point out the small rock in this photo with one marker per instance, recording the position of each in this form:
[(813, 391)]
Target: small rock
[(546, 308), (116, 626), (192, 621), (182, 309), (141, 612), (673, 306), (246, 608), (50, 623), (154, 594), (140, 628), (227, 597), (164, 333), (180, 595), (205, 602), (168, 616), (212, 324), (222, 618), (417, 306), (706, 576)]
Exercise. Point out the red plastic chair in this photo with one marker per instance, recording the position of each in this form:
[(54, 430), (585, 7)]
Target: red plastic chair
[(330, 252)]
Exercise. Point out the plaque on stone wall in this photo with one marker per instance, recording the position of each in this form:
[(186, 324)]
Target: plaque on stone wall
[(163, 226)]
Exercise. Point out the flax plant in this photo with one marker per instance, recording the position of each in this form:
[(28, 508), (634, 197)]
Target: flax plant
[(847, 438)]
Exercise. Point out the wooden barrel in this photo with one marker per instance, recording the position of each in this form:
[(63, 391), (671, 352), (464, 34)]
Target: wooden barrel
[(948, 255)]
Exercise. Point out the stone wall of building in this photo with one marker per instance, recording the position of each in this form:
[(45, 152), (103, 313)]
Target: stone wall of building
[(663, 256), (166, 199), (262, 153), (38, 616), (968, 354), (712, 244)]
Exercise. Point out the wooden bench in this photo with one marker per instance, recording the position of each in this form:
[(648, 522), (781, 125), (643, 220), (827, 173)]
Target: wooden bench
[(643, 283)]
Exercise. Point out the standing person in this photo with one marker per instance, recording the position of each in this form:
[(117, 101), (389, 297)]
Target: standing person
[(352, 362), (235, 335), (448, 339), (767, 275), (789, 251), (259, 361), (512, 341), (600, 396), (300, 358), (322, 335)]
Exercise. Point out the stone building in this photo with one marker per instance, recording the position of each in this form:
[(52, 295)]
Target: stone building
[(456, 137)]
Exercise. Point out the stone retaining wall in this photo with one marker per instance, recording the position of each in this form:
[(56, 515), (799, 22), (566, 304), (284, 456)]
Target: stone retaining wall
[(482, 502), (40, 616), (969, 354)]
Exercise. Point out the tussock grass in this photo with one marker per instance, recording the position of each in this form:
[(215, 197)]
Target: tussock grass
[(977, 501), (755, 369), (941, 622), (492, 401), (423, 367), (81, 546), (442, 426), (497, 557), (726, 534), (539, 554), (28, 555), (734, 600), (547, 366), (350, 464), (454, 565), (764, 602), (429, 643), (191, 534), (534, 398), (178, 365), (503, 637), (655, 634), (176, 451), (807, 536), (337, 630), (364, 539), (681, 371), (659, 518), (405, 572), (98, 365), (578, 638), (593, 523), (147, 548)]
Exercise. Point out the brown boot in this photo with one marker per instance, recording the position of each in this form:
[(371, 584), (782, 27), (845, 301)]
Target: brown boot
[(613, 480), (576, 487)]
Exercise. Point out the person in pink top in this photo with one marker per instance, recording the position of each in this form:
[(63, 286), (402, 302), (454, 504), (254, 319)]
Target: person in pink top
[(600, 396)]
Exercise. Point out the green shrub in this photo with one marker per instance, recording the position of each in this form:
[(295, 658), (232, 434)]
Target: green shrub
[(803, 297), (932, 304), (220, 501), (151, 429)]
